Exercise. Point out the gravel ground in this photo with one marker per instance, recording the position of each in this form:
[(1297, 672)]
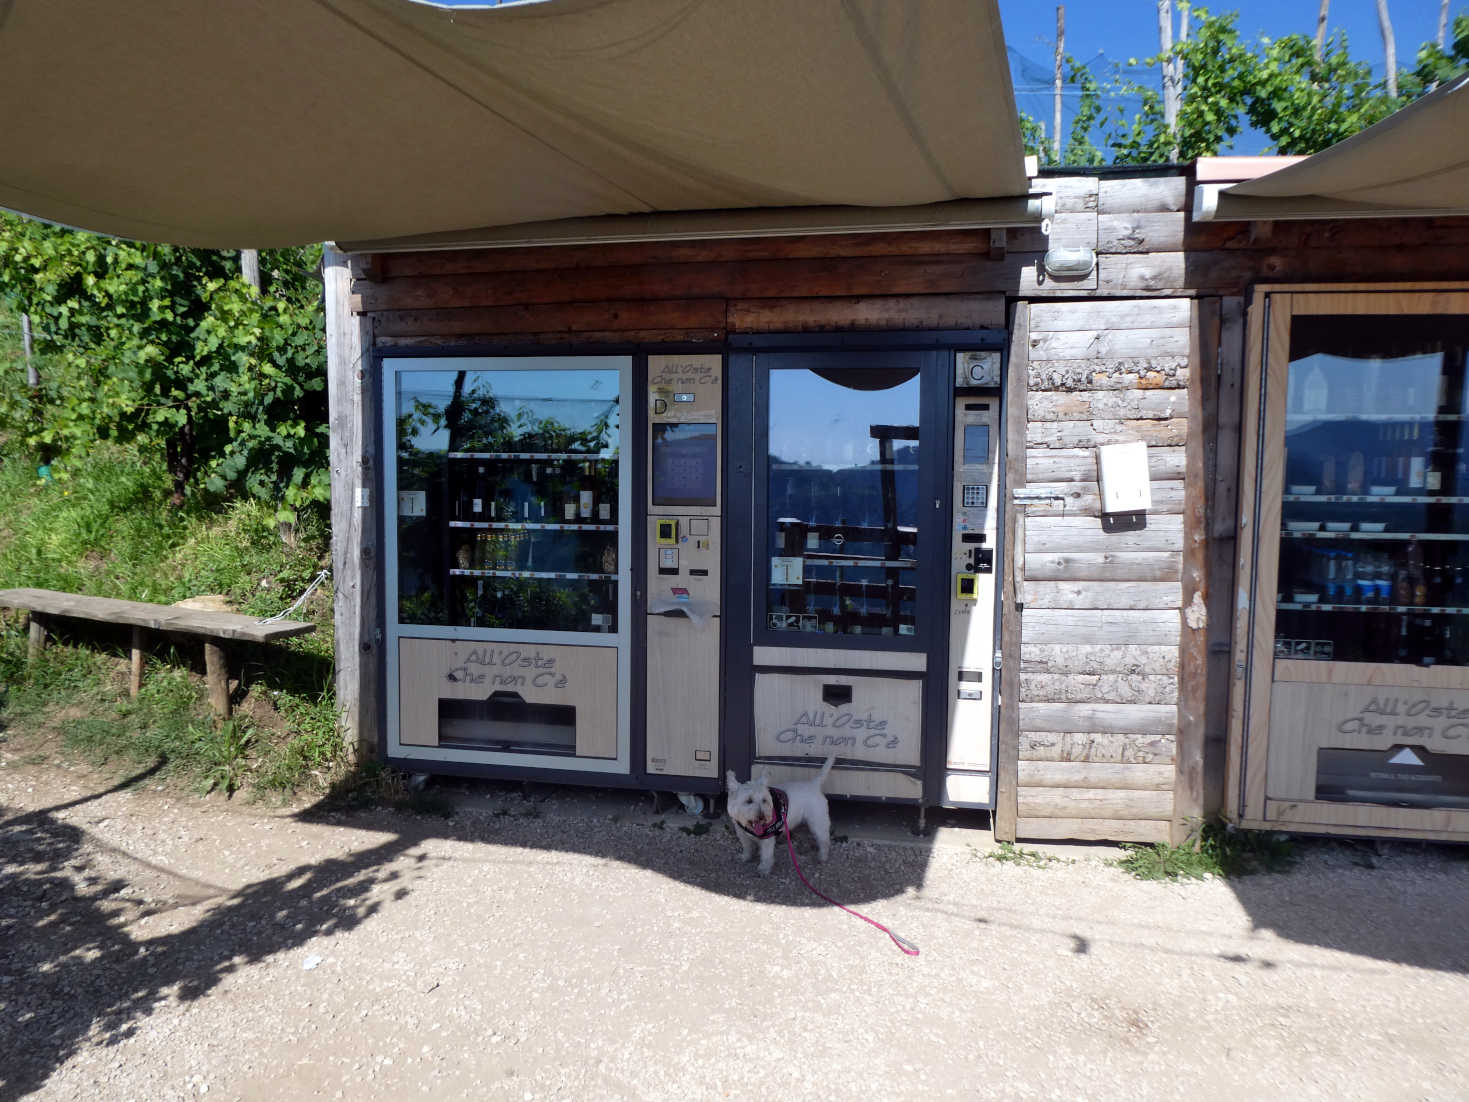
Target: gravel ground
[(158, 946)]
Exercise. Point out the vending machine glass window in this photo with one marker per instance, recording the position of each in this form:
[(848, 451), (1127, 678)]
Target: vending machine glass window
[(1374, 540), (507, 486), (842, 500)]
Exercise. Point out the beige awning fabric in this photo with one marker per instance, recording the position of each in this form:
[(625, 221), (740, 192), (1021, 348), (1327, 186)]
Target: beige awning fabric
[(259, 123), (1412, 163)]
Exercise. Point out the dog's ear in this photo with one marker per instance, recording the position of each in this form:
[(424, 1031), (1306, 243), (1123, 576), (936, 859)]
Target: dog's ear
[(763, 777), (729, 779)]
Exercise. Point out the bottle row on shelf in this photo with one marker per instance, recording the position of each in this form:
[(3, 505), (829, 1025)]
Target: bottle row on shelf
[(533, 492), (1415, 577), (1420, 638), (536, 551)]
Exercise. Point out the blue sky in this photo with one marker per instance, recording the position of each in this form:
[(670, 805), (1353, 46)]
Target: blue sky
[(1119, 29)]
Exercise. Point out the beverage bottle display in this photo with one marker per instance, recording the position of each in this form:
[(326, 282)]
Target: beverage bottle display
[(476, 494), (586, 494)]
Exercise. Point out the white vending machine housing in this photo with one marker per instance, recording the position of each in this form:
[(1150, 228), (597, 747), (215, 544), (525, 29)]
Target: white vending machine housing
[(974, 569), (685, 493)]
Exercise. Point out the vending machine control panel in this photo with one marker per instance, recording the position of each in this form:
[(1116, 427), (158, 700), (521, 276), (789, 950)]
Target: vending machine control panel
[(685, 499), (973, 538)]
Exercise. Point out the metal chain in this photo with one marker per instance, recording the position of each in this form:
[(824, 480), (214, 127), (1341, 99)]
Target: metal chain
[(301, 600)]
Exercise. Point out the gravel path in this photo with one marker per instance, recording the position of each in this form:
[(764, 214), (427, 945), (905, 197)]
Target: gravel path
[(158, 946)]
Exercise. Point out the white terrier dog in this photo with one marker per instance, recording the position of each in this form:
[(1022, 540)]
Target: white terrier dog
[(761, 813)]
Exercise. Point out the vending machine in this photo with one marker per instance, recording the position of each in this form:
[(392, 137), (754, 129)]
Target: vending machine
[(684, 639), (974, 665)]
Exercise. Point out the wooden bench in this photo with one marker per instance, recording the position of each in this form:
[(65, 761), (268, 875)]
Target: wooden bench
[(213, 627)]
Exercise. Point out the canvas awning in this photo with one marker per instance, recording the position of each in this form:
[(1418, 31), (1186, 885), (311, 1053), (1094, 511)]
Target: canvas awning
[(258, 123), (1412, 163)]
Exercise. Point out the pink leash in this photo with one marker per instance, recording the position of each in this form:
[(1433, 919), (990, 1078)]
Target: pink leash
[(901, 942)]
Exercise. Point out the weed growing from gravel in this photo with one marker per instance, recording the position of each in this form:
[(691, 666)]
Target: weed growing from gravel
[(1212, 849), (373, 784), (696, 830), (225, 750), (1008, 853)]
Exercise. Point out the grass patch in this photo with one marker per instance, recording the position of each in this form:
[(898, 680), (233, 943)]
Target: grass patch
[(1212, 849), (104, 528)]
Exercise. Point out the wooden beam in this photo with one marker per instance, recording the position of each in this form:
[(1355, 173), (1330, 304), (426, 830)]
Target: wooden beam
[(810, 246), (1018, 273), (1150, 627), (1081, 658), (595, 336), (1086, 317), (568, 319), (1084, 499), (1139, 719), (1097, 746), (1040, 829), (1145, 195), (351, 387), (1095, 803), (1104, 405), (1080, 464), (1103, 566), (1188, 795), (801, 315), (1116, 688), (1012, 581), (1079, 434), (1070, 774), (822, 277), (1162, 533), (1107, 344), (1100, 594), (1130, 373), (1224, 417)]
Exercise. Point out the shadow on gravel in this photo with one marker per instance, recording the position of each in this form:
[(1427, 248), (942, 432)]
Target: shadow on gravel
[(69, 970), (1404, 904)]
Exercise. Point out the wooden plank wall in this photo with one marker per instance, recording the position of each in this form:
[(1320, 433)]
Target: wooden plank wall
[(1107, 359), (1100, 628)]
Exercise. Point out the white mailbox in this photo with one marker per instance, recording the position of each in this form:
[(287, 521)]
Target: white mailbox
[(1122, 471)]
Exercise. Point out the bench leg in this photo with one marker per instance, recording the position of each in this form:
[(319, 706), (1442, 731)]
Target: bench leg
[(218, 672), (37, 640), (135, 679)]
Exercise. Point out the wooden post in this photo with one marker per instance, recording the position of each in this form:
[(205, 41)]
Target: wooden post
[(217, 673), (1007, 757), (1321, 31), (135, 676), (33, 377), (1060, 54), (37, 638), (1223, 422), (250, 267), (351, 399), (1193, 639)]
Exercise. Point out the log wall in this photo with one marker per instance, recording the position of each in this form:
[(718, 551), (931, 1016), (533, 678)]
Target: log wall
[(1099, 611), (1119, 702)]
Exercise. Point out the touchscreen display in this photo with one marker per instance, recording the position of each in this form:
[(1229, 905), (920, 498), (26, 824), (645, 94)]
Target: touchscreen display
[(686, 464), (976, 445)]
